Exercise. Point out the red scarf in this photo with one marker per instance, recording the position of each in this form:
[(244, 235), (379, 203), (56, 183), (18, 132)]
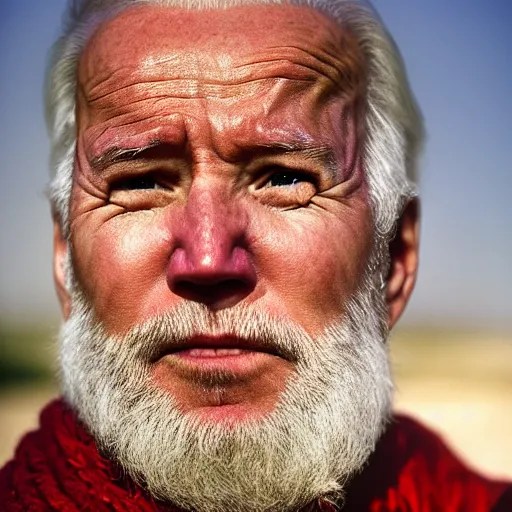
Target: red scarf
[(59, 468)]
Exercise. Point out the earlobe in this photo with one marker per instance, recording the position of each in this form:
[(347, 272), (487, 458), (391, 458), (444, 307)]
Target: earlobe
[(60, 255), (404, 253)]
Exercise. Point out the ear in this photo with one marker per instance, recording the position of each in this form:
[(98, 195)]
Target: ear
[(404, 253), (60, 255)]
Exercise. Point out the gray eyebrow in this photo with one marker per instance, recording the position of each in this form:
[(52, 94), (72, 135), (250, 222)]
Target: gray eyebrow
[(322, 154), (117, 154)]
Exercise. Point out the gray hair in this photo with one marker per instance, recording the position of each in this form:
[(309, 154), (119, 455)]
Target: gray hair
[(393, 125)]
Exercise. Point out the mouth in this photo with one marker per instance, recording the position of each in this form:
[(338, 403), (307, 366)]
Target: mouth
[(223, 353), (212, 352), (213, 346)]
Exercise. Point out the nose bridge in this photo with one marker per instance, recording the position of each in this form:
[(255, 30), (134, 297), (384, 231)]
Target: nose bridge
[(211, 262), (214, 224)]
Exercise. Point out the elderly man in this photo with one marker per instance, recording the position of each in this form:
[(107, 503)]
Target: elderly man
[(236, 231)]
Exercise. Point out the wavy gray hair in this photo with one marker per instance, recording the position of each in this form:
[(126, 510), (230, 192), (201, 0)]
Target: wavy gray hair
[(393, 124)]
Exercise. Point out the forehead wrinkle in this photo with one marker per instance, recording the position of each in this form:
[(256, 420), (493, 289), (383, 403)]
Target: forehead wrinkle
[(164, 67), (342, 70), (330, 52), (282, 64), (182, 89), (91, 79), (239, 75), (301, 73), (138, 85)]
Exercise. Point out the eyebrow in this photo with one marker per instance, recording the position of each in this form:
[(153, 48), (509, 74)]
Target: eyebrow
[(117, 154), (324, 155)]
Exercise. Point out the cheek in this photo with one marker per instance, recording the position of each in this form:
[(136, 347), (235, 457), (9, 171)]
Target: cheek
[(308, 263), (313, 264), (121, 267)]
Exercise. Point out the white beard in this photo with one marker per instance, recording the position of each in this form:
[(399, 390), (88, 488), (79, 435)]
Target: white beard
[(324, 427)]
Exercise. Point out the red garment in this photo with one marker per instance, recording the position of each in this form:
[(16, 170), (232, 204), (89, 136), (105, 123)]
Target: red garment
[(59, 468)]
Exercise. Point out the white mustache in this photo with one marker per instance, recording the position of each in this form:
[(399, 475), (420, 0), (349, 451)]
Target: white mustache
[(242, 325)]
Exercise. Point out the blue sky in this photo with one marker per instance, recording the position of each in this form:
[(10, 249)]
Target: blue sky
[(458, 54)]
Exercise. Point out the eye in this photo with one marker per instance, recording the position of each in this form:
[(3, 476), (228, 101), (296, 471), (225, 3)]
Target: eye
[(142, 191), (144, 182), (288, 178), (286, 188)]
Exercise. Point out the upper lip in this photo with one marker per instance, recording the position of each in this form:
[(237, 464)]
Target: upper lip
[(224, 341)]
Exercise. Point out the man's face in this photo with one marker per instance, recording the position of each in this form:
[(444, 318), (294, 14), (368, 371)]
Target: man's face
[(226, 339), (217, 162)]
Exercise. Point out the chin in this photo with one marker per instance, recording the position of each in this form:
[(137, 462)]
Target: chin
[(242, 386), (273, 430)]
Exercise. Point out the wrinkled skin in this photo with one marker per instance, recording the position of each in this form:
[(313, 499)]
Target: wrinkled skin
[(246, 186)]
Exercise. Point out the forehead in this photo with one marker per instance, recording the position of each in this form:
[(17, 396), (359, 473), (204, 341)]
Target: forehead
[(221, 45)]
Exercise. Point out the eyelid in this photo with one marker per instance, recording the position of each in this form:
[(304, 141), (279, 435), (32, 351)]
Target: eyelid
[(322, 163), (163, 171), (170, 168), (126, 193), (286, 196)]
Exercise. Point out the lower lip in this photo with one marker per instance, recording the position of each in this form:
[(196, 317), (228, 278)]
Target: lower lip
[(234, 361)]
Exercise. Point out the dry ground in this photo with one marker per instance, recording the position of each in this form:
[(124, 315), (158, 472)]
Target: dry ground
[(459, 384)]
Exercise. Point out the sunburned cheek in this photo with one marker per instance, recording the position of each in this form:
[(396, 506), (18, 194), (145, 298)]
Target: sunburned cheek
[(124, 276), (325, 283), (309, 267)]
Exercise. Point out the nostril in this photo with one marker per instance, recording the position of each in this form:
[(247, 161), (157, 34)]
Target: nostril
[(215, 274), (221, 294)]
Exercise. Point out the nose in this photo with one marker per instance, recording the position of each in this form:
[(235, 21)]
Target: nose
[(211, 262)]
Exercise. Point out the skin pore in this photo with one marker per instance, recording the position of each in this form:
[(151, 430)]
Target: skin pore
[(221, 166)]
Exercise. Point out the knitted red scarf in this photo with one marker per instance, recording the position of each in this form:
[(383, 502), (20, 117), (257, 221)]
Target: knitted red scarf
[(59, 468)]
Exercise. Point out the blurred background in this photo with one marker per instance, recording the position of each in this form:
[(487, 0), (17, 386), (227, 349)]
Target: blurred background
[(452, 351)]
